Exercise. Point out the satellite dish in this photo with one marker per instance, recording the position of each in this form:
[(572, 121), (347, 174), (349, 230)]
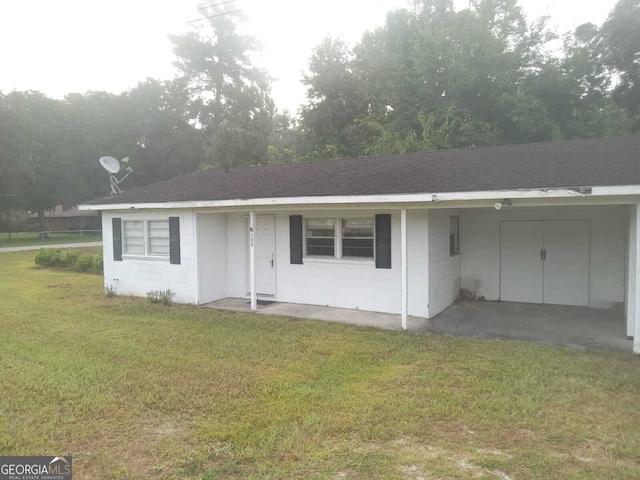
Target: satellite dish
[(110, 164)]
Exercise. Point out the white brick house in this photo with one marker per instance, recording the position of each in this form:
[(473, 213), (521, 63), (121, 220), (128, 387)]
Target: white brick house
[(405, 234)]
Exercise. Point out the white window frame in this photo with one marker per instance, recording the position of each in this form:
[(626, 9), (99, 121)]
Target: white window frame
[(147, 255), (337, 256)]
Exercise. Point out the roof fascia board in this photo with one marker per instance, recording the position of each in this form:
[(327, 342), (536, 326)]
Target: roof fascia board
[(356, 200)]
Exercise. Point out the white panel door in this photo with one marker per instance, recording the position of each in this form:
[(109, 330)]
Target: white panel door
[(566, 262), (265, 256), (521, 266)]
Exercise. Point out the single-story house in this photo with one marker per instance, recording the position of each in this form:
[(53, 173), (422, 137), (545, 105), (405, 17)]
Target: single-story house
[(67, 217), (547, 223)]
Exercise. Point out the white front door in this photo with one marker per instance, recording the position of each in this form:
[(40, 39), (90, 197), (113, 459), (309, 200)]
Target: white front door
[(521, 271), (265, 256), (545, 261), (566, 263)]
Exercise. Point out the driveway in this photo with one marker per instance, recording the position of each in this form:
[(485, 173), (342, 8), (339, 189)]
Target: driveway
[(62, 245), (576, 327)]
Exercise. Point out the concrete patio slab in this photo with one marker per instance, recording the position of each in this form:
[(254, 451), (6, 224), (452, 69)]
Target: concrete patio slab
[(576, 327), (341, 315)]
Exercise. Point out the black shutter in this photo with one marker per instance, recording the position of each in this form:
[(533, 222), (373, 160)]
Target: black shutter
[(116, 228), (295, 239), (383, 241), (174, 240)]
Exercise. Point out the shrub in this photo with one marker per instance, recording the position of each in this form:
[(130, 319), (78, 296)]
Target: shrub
[(84, 263), (44, 256), (164, 297), (70, 257), (98, 263), (110, 291)]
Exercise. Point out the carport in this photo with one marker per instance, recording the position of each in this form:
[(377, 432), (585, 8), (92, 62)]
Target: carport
[(560, 273), (569, 326)]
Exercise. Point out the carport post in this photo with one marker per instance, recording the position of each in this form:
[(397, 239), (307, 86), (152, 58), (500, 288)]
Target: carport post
[(403, 266), (636, 334), (631, 273), (252, 260)]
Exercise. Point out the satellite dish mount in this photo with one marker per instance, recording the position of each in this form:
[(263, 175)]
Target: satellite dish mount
[(112, 165)]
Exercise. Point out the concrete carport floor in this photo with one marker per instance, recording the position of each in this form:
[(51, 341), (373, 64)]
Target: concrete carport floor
[(576, 327)]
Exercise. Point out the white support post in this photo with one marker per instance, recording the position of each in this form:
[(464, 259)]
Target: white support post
[(252, 260), (403, 265), (631, 272), (636, 334)]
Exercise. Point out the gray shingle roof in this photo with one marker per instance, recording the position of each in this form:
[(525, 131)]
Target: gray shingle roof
[(563, 164)]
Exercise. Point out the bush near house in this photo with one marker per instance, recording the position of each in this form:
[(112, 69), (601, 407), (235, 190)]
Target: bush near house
[(73, 259)]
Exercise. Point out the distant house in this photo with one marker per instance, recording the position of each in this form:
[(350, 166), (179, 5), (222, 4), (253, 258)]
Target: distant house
[(64, 218), (547, 223)]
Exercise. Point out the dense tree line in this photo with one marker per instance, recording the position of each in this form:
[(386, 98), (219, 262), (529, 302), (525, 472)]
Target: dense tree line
[(429, 78)]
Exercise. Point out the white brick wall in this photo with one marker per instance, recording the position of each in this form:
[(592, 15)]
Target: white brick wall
[(444, 270), (136, 276), (346, 284)]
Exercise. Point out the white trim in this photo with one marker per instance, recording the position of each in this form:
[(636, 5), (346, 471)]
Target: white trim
[(403, 262), (252, 260), (341, 261), (636, 334), (365, 199), (145, 257)]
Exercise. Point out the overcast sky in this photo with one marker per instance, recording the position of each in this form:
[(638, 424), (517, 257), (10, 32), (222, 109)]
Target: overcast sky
[(62, 46)]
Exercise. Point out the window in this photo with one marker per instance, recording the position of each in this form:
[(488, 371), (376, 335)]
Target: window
[(353, 239), (147, 238), (158, 237), (454, 235), (321, 237), (357, 237)]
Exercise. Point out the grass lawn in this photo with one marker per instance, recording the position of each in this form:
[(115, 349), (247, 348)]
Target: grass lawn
[(134, 390), (25, 239)]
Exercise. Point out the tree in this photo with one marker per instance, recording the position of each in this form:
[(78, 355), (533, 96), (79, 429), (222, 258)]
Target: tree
[(36, 137), (333, 104), (229, 98), (620, 42)]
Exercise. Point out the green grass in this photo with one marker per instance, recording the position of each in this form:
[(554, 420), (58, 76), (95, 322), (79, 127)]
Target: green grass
[(134, 390), (26, 239)]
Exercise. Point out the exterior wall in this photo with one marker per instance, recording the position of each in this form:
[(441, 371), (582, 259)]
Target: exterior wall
[(212, 256), (341, 283), (444, 270), (480, 248), (136, 276)]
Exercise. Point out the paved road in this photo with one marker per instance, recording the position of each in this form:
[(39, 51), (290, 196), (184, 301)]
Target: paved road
[(62, 245)]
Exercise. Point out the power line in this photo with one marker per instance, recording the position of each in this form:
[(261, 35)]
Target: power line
[(69, 163), (214, 16), (215, 5), (94, 132), (66, 125)]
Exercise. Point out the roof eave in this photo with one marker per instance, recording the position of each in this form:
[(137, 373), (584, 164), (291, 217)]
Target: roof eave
[(594, 191)]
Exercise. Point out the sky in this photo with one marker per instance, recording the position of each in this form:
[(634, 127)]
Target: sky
[(64, 46)]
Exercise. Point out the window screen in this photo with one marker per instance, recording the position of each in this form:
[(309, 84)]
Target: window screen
[(357, 237), (320, 237), (158, 237), (133, 237)]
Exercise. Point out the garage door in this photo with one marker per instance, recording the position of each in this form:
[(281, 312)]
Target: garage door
[(545, 262)]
